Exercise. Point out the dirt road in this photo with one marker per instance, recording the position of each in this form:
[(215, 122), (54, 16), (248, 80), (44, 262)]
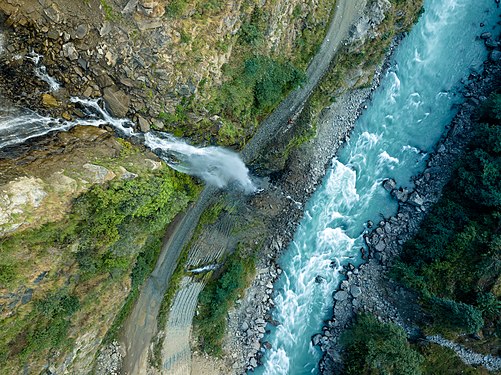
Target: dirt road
[(141, 325)]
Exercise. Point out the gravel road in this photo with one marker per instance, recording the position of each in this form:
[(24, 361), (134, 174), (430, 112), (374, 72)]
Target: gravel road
[(140, 327)]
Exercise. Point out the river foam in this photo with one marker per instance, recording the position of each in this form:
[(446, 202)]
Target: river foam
[(407, 115)]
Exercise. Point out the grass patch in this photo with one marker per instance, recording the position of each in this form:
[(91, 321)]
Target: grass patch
[(218, 297), (444, 361)]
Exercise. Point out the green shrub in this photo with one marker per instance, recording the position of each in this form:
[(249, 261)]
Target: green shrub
[(455, 316), (489, 305), (454, 262), (176, 8), (216, 299), (371, 347), (7, 273)]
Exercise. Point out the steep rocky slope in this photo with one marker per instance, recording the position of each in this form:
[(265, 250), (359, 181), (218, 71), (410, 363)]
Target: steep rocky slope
[(82, 214)]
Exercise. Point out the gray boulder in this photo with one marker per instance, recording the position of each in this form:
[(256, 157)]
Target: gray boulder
[(341, 295), (389, 184), (355, 291), (117, 101)]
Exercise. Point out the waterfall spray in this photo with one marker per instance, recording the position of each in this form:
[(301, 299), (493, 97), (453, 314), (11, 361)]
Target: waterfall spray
[(217, 166)]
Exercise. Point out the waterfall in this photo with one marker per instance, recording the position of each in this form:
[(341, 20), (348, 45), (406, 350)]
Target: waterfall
[(41, 71), (217, 166)]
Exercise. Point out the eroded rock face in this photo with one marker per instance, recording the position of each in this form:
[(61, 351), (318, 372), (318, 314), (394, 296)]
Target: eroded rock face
[(18, 201), (38, 187), (367, 24)]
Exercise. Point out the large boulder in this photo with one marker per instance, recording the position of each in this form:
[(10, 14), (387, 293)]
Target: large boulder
[(117, 101), (389, 184)]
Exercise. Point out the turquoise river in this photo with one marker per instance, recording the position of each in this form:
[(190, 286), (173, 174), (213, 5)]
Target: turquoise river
[(405, 119)]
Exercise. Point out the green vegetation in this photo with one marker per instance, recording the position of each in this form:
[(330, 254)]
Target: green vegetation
[(176, 8), (109, 13), (256, 78), (372, 347), (444, 361), (365, 57), (455, 263), (376, 348), (352, 67), (218, 297), (111, 235)]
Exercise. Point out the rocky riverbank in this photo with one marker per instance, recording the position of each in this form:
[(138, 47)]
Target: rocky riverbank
[(305, 170), (368, 287)]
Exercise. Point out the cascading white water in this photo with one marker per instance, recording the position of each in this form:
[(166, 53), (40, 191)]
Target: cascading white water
[(405, 118), (215, 165), (41, 71)]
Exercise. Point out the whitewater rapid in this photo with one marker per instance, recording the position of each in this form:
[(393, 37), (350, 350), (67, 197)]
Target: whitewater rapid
[(407, 115)]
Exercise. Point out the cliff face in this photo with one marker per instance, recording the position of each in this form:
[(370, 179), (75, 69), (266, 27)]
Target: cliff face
[(149, 59), (64, 280), (82, 214)]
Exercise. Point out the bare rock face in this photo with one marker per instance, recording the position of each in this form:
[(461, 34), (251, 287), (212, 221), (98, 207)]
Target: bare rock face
[(117, 101), (18, 199), (372, 17), (98, 174)]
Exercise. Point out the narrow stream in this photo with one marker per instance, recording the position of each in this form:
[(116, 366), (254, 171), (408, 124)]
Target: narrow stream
[(407, 116)]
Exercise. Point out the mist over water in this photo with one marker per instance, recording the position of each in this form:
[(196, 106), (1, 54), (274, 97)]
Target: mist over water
[(214, 165), (392, 138)]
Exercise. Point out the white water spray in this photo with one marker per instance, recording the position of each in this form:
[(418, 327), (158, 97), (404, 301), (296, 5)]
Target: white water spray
[(41, 71), (215, 165)]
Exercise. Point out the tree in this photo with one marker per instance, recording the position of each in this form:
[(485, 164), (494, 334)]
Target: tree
[(456, 316), (378, 348)]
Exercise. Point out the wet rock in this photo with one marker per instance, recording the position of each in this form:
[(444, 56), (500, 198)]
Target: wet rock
[(245, 326), (116, 101), (402, 195), (485, 35), (144, 125), (416, 200), (319, 279), (316, 339), (389, 184), (491, 43), (340, 295), (49, 101), (495, 56), (253, 362), (355, 291)]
